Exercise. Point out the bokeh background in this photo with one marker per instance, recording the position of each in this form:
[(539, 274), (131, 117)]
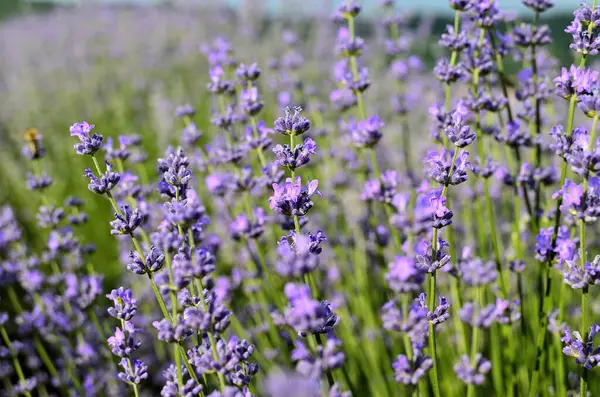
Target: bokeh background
[(125, 66)]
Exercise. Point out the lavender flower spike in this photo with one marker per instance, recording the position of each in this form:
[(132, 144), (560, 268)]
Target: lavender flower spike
[(88, 145)]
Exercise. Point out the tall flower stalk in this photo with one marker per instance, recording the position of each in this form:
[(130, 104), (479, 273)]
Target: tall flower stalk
[(573, 83)]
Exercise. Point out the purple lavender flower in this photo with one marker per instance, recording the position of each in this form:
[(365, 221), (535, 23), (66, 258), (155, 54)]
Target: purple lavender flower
[(219, 184), (583, 206), (248, 72), (305, 315), (460, 5), (585, 41), (153, 261), (293, 198), (448, 74), (184, 111), (174, 168), (262, 139), (191, 134), (298, 254), (328, 358), (243, 227), (442, 216), (119, 153), (584, 351), (298, 157), (440, 312), (348, 10), (38, 182), (168, 332), (343, 99), (454, 41), (382, 190), (474, 271), (582, 155), (250, 101), (483, 318), (88, 145), (291, 385), (515, 136), (292, 124), (575, 81), (124, 305), (366, 133), (415, 323), (123, 342), (186, 212), (135, 375), (472, 373), (539, 5), (525, 35), (218, 84), (411, 372), (105, 183), (49, 217), (507, 312), (431, 262), (440, 168), (126, 221), (347, 47), (459, 132), (403, 276)]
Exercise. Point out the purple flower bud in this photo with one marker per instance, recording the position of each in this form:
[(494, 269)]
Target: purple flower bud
[(105, 183), (87, 145), (125, 306), (472, 374), (123, 342), (403, 276), (248, 73), (293, 198), (184, 111), (539, 5), (298, 157), (366, 133), (250, 101), (292, 124), (410, 372), (305, 315), (126, 221), (584, 352)]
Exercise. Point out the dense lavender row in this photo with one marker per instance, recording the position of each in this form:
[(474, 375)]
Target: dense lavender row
[(307, 232)]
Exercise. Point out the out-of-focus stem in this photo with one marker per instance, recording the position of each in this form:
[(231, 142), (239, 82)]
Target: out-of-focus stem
[(453, 59), (538, 126), (486, 189), (15, 358), (475, 343)]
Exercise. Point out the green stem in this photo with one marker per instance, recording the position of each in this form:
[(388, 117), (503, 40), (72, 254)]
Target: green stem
[(110, 197), (474, 344), (453, 59), (15, 358), (433, 374), (545, 304), (583, 249), (188, 366), (488, 200)]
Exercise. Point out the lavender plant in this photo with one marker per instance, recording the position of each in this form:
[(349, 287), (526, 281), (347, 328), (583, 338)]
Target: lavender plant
[(328, 212)]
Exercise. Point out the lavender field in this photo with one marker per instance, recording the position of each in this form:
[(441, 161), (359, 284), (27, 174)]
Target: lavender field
[(221, 202)]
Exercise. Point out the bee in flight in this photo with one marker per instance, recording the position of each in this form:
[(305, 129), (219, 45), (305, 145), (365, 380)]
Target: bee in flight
[(34, 149)]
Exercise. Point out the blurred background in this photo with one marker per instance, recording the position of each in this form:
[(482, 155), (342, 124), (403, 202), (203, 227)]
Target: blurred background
[(125, 65)]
